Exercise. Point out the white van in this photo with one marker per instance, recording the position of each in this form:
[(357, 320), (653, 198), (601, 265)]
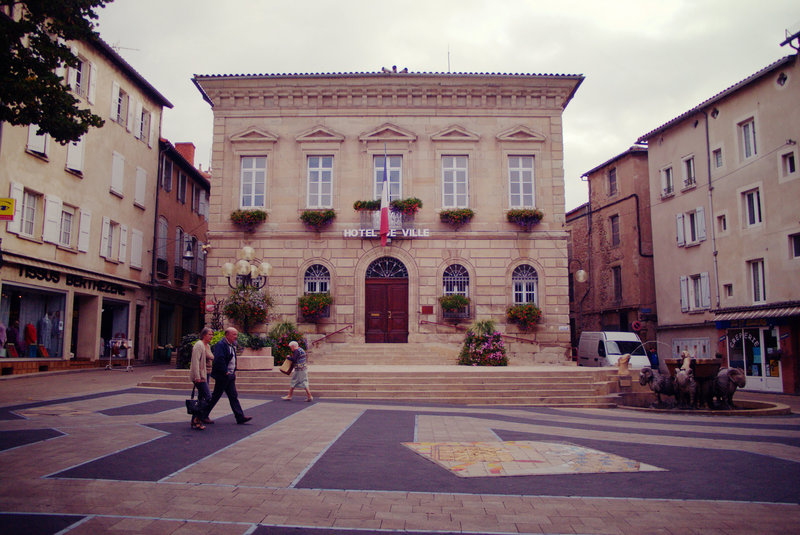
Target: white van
[(604, 348)]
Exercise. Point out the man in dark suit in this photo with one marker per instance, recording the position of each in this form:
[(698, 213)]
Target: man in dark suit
[(224, 373)]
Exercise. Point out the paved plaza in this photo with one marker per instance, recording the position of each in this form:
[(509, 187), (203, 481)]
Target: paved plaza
[(88, 452)]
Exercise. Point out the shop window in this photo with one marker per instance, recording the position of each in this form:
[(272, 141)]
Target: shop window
[(34, 322)]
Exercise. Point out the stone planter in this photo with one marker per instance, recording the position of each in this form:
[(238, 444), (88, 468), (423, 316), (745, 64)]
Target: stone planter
[(255, 359)]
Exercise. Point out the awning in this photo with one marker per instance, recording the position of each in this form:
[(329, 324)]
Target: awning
[(758, 314)]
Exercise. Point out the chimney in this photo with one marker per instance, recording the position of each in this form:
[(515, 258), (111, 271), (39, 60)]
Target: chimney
[(187, 151)]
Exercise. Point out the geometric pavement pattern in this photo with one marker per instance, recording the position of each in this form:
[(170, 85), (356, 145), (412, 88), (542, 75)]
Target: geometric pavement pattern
[(127, 460)]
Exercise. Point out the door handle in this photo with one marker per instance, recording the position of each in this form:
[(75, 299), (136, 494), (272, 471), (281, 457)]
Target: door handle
[(390, 314)]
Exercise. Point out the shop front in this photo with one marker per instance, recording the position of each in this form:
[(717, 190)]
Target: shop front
[(53, 313)]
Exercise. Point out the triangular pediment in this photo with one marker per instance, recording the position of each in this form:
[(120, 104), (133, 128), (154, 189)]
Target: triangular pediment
[(520, 133), (455, 133), (254, 135), (388, 132), (319, 133)]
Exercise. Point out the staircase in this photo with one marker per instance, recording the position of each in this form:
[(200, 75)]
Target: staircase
[(425, 373)]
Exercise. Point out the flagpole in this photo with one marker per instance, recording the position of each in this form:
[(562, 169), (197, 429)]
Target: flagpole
[(385, 200)]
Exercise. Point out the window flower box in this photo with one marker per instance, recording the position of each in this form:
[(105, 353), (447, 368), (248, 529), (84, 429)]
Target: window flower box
[(317, 219), (525, 218), (248, 219), (525, 315), (454, 306), (407, 207), (456, 217), (314, 306)]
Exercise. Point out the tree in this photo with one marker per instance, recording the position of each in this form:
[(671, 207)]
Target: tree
[(33, 35)]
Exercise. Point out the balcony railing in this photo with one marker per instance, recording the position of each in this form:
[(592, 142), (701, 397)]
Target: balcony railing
[(371, 219)]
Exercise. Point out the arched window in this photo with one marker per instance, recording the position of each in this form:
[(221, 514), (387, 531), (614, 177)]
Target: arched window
[(455, 281), (317, 280), (387, 268), (524, 281)]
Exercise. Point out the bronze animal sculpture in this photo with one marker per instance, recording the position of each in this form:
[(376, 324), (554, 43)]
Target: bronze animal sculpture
[(658, 383), (725, 385), (685, 384)]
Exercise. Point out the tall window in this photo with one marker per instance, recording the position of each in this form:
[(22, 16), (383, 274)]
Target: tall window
[(455, 281), (758, 281), (66, 226), (320, 181), (144, 125), (524, 282), (691, 227), (716, 157), (37, 143), (616, 282), (747, 138), (394, 176), (455, 181), (612, 181), (614, 222), (689, 178), (166, 174), (667, 184), (161, 247), (79, 77), (29, 206), (181, 187), (120, 103), (520, 182), (253, 181), (317, 280), (752, 207), (788, 164), (794, 246), (695, 292)]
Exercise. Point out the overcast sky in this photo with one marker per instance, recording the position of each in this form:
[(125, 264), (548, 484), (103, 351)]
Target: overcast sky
[(645, 61)]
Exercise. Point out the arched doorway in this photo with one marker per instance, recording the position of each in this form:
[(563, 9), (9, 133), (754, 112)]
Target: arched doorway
[(386, 306)]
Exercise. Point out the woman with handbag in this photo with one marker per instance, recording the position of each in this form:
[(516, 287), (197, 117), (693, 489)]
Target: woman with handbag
[(201, 355), (300, 373)]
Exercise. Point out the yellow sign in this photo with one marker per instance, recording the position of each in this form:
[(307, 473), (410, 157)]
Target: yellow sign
[(7, 209)]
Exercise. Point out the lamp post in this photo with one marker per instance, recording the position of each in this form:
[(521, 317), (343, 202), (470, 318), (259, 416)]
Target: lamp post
[(247, 271), (580, 276)]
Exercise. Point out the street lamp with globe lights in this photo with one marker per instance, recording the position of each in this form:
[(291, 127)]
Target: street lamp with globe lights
[(247, 271)]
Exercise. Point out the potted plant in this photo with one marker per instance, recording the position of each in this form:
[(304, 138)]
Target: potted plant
[(248, 219), (408, 206), (456, 217), (247, 306), (313, 306), (317, 219), (365, 206), (524, 217), (526, 315)]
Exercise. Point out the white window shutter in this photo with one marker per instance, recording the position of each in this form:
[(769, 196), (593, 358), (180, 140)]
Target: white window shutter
[(129, 124), (137, 241), (701, 223), (153, 123), (141, 187), (705, 291), (684, 294), (16, 192), (52, 219), (75, 155), (117, 173), (92, 83), (36, 143), (114, 101), (84, 231), (137, 120), (60, 70), (104, 237), (72, 76), (204, 204), (680, 230), (123, 243)]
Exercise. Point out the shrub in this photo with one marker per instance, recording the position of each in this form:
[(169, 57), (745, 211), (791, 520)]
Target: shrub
[(184, 356), (526, 316), (483, 346), (279, 338)]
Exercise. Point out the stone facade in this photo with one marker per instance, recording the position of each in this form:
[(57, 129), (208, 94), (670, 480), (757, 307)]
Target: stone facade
[(419, 121), (613, 232)]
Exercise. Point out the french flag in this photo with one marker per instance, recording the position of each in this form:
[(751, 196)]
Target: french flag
[(385, 201)]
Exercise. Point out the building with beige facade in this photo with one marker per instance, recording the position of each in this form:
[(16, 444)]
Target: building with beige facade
[(726, 234), (611, 240), (290, 143), (76, 264)]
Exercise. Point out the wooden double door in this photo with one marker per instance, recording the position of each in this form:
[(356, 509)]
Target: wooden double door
[(386, 310)]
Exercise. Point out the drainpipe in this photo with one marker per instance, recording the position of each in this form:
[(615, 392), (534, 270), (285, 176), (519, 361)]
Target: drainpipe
[(711, 220), (153, 308)]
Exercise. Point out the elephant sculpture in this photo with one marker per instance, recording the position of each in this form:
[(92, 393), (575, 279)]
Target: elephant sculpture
[(725, 385), (685, 384), (659, 384)]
